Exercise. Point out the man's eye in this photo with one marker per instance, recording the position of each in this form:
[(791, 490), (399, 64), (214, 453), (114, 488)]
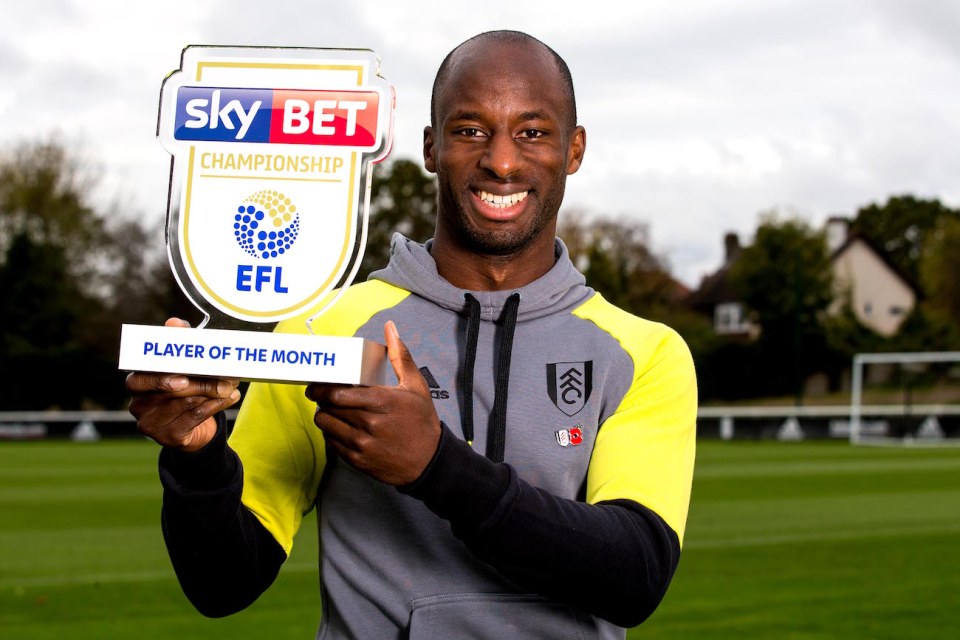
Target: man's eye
[(531, 133), (469, 132)]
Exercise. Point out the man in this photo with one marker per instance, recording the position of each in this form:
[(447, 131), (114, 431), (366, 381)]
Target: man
[(540, 491)]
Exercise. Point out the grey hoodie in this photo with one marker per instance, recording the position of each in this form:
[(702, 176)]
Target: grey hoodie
[(554, 506)]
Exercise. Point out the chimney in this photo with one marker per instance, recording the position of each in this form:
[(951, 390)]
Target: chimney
[(731, 248), (837, 230)]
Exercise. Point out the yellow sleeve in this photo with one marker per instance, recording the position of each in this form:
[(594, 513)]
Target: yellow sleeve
[(283, 457), (645, 450), (282, 451)]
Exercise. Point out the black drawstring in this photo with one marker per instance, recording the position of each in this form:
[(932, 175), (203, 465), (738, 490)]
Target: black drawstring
[(469, 359), (497, 429), (496, 440)]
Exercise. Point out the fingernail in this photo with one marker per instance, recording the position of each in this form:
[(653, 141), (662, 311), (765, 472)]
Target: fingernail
[(177, 383), (235, 395), (392, 328)]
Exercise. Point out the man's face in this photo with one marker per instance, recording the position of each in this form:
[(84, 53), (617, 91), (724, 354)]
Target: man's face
[(502, 147)]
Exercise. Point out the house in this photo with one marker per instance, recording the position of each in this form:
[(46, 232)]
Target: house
[(879, 294)]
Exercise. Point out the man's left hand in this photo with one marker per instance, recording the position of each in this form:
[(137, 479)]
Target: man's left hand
[(389, 433)]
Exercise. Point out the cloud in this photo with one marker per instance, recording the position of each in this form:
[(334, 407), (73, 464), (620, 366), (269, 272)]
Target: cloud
[(932, 23), (699, 114)]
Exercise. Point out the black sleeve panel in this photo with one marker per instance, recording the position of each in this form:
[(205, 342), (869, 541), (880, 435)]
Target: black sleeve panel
[(223, 556), (614, 559)]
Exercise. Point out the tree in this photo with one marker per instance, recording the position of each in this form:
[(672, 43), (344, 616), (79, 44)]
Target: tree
[(44, 195), (786, 283), (69, 277), (146, 292), (40, 309), (939, 266), (403, 199), (902, 227)]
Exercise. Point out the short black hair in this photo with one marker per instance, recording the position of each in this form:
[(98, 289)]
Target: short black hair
[(509, 37)]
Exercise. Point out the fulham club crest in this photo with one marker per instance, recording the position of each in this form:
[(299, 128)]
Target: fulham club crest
[(569, 385)]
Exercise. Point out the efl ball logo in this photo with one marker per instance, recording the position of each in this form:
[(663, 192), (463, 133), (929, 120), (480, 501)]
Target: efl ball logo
[(266, 224)]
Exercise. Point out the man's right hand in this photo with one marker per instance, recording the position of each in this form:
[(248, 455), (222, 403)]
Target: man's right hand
[(176, 410)]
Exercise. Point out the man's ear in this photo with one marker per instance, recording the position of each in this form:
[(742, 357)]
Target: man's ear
[(576, 149), (429, 150)]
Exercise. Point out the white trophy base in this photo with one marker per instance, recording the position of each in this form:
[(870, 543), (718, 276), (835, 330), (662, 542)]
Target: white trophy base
[(251, 355)]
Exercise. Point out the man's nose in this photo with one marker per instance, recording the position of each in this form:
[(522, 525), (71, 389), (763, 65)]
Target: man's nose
[(502, 157)]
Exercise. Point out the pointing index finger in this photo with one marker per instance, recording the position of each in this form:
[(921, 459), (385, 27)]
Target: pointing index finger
[(408, 374)]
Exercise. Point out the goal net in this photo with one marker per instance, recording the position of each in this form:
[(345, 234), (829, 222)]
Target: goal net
[(905, 398)]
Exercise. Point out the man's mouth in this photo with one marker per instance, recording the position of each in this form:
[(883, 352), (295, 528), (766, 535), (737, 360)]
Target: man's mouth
[(501, 201)]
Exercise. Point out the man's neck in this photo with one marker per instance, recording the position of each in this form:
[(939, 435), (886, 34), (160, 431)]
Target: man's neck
[(477, 272)]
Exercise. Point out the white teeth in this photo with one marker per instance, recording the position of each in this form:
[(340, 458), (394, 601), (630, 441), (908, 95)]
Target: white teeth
[(502, 201)]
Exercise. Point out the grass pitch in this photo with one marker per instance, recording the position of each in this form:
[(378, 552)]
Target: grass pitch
[(785, 540)]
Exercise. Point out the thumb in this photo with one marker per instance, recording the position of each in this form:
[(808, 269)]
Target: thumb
[(408, 375), (176, 322)]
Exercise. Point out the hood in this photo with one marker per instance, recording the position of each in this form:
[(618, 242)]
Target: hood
[(412, 268)]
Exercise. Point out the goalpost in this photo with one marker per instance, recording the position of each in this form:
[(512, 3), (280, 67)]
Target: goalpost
[(927, 417)]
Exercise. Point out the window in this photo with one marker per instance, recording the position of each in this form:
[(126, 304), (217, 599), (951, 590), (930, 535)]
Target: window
[(728, 318)]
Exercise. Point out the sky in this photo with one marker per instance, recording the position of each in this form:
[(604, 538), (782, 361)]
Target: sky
[(700, 114)]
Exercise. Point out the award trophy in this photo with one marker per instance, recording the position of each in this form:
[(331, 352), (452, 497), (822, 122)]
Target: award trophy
[(273, 149)]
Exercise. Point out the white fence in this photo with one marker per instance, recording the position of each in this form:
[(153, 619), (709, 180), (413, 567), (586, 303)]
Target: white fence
[(834, 421)]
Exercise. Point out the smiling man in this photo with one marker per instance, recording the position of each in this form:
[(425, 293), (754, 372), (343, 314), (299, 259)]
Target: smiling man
[(544, 495), (502, 140)]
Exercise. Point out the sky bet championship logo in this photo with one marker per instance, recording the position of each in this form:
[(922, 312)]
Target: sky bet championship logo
[(275, 145)]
